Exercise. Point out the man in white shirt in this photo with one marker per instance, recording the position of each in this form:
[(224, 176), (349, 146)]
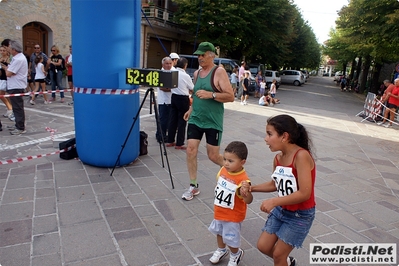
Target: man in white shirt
[(17, 74), (180, 104), (174, 58), (164, 100)]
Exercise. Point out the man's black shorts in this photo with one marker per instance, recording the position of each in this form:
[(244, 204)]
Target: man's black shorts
[(213, 136)]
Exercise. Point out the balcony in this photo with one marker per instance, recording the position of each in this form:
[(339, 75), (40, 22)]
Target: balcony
[(158, 14)]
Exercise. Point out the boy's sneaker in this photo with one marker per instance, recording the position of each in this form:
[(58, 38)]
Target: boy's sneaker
[(291, 261), (380, 123), (218, 255), (388, 125), (32, 102), (17, 131), (191, 192), (235, 260)]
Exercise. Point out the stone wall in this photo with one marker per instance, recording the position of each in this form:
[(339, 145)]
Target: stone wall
[(55, 16)]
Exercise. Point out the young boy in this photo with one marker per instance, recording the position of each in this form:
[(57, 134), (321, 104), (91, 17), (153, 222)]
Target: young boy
[(230, 206)]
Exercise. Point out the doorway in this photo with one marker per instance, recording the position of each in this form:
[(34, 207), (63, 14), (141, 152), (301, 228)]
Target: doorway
[(34, 33)]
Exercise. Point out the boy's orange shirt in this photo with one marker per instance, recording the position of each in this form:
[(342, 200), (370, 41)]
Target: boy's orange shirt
[(237, 214)]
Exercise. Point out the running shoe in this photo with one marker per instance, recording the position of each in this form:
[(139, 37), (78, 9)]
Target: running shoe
[(218, 255), (236, 259), (191, 192)]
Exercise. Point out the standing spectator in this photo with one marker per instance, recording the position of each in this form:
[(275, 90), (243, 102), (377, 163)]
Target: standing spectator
[(230, 207), (68, 62), (5, 59), (17, 73), (258, 80), (174, 58), (291, 213), (392, 105), (389, 88), (32, 66), (205, 115), (343, 83), (39, 79), (262, 87), (55, 65), (241, 78), (273, 91), (234, 81), (164, 100), (245, 88), (180, 103)]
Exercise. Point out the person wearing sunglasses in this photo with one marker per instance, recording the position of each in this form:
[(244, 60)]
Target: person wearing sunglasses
[(32, 65), (56, 67)]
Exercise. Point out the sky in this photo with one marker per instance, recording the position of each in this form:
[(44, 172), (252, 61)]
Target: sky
[(320, 14)]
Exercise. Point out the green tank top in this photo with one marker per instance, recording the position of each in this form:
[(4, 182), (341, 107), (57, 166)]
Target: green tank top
[(207, 113)]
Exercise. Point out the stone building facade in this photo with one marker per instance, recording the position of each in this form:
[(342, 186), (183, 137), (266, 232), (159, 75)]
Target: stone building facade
[(37, 21), (49, 22)]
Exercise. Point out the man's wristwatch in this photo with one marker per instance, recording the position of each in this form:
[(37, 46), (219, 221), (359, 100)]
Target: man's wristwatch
[(214, 95)]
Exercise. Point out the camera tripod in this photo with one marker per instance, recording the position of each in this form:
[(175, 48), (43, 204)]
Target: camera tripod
[(161, 144)]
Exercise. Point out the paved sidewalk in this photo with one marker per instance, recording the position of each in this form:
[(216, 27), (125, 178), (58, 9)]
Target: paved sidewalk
[(63, 212)]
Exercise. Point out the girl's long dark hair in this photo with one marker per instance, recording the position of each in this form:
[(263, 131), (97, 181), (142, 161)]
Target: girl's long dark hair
[(37, 59), (297, 132)]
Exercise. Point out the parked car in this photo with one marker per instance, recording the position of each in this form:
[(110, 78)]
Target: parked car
[(192, 64), (253, 69), (292, 77), (227, 63), (252, 82), (269, 75)]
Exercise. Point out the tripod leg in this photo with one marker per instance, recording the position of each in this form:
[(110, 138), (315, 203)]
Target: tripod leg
[(131, 128), (152, 97), (159, 129)]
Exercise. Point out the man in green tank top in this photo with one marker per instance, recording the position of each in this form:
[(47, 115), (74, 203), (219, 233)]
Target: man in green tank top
[(205, 116)]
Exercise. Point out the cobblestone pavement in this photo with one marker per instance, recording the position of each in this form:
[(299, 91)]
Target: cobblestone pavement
[(63, 212)]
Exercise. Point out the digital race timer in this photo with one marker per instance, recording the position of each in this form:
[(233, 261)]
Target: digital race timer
[(152, 77)]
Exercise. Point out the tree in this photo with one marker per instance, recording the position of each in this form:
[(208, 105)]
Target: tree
[(338, 48), (369, 30), (261, 31)]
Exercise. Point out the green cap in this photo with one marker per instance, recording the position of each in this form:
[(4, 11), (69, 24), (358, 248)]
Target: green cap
[(204, 47)]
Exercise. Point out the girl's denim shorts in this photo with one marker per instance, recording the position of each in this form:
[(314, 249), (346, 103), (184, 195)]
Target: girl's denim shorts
[(292, 227)]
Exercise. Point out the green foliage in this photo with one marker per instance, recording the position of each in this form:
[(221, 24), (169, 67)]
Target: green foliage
[(366, 28), (270, 32)]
